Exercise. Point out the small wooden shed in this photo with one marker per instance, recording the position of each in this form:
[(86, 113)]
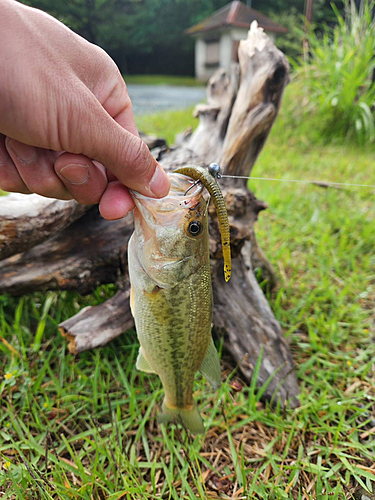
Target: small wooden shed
[(217, 37)]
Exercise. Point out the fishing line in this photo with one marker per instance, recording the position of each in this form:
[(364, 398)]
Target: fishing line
[(321, 183)]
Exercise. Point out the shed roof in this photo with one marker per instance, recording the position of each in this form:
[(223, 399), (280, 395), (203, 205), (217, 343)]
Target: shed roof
[(235, 14)]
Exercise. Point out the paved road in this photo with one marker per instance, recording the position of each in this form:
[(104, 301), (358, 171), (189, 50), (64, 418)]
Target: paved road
[(148, 99)]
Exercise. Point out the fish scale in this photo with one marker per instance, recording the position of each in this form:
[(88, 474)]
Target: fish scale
[(167, 341)]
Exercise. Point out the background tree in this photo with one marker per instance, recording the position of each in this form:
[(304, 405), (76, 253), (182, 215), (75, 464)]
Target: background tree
[(147, 36)]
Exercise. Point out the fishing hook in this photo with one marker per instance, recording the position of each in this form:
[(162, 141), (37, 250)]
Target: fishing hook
[(191, 187), (194, 208)]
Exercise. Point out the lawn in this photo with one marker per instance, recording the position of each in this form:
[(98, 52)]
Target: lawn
[(84, 427), (187, 81)]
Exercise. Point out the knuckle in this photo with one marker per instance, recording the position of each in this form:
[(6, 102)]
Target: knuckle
[(66, 132), (10, 181), (126, 103), (99, 54), (11, 187), (87, 198), (137, 156), (50, 187), (87, 195), (104, 66)]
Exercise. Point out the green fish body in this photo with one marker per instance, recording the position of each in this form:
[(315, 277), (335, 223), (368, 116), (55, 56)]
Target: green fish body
[(171, 298)]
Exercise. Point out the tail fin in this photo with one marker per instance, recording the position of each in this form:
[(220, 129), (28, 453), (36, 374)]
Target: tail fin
[(191, 418)]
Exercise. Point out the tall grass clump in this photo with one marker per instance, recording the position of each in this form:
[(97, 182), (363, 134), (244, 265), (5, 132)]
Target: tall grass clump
[(337, 76)]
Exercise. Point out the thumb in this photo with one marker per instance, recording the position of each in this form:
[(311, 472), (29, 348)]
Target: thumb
[(120, 151)]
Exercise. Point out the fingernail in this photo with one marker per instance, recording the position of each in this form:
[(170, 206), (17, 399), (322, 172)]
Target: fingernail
[(75, 174), (24, 152), (159, 184)]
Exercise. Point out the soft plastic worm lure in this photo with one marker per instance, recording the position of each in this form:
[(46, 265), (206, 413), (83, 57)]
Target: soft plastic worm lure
[(208, 179)]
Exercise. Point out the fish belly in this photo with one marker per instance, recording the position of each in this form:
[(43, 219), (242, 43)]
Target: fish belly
[(174, 329)]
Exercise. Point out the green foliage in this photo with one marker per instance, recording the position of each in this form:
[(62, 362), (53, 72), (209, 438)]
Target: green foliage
[(322, 11), (337, 78), (136, 33), (90, 18), (148, 36), (290, 43)]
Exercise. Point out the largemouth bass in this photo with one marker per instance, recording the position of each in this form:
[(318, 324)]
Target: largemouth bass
[(171, 295)]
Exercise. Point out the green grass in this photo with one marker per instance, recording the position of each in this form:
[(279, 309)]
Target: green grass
[(188, 81), (167, 124), (96, 415)]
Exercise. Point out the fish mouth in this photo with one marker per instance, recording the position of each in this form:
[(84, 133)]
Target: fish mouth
[(184, 194), (183, 189)]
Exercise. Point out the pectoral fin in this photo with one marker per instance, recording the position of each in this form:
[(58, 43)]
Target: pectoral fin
[(142, 364), (210, 368)]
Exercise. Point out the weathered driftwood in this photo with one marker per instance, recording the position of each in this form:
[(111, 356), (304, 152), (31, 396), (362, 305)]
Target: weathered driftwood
[(88, 253), (26, 220), (241, 106), (264, 74), (243, 315), (108, 321), (234, 124)]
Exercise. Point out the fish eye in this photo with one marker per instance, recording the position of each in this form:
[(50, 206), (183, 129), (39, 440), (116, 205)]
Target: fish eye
[(195, 228)]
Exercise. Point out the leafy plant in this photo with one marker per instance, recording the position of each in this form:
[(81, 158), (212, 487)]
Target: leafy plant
[(290, 43), (338, 75)]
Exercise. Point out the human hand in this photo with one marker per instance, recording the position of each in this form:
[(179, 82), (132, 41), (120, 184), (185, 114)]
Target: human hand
[(65, 113)]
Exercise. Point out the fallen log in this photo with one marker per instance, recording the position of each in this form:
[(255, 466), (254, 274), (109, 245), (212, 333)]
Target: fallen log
[(26, 220), (88, 253), (234, 124), (95, 326)]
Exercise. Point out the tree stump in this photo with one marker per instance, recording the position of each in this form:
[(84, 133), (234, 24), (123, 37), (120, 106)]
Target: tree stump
[(74, 249)]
